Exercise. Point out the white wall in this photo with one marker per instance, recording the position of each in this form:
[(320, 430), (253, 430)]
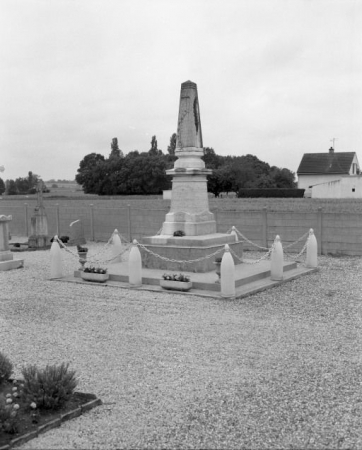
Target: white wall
[(347, 187), (304, 181)]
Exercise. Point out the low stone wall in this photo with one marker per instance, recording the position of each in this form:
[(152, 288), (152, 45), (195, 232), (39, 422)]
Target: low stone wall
[(336, 233)]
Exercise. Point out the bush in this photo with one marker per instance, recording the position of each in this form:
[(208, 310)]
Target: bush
[(7, 417), (271, 193), (49, 388), (6, 368)]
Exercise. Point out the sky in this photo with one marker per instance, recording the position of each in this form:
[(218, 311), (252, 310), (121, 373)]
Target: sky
[(275, 78)]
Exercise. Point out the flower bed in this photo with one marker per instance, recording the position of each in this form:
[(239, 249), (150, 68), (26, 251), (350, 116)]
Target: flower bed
[(42, 400), (31, 422)]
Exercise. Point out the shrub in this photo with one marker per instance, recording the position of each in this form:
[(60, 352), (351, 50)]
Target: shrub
[(271, 193), (179, 233), (6, 368), (7, 417), (49, 388)]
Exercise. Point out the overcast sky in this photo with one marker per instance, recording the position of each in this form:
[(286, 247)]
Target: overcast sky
[(275, 78)]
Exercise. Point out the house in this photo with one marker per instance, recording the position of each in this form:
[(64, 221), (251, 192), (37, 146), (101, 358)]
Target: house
[(346, 187), (317, 168)]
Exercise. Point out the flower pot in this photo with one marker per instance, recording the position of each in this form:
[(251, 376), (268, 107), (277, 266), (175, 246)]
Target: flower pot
[(96, 277), (176, 285)]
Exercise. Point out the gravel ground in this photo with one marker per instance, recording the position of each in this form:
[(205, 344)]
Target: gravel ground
[(280, 369)]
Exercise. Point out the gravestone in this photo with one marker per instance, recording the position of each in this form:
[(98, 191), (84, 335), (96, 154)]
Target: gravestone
[(189, 210), (76, 232), (7, 261), (39, 237)]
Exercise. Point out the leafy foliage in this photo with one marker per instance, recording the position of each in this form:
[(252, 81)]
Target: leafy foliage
[(2, 186), (270, 193), (6, 368), (49, 388), (8, 419), (176, 277), (145, 173)]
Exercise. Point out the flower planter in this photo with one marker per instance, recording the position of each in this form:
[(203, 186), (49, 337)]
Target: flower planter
[(96, 277), (176, 285)]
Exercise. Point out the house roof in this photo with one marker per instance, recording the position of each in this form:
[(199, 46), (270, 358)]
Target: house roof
[(326, 163)]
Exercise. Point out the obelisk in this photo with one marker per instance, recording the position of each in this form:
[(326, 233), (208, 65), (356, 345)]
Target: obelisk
[(189, 210), (189, 204)]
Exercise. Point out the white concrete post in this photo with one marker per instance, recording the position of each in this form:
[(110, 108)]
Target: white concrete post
[(276, 270), (135, 266), (312, 250), (56, 270), (234, 233), (116, 246), (227, 271)]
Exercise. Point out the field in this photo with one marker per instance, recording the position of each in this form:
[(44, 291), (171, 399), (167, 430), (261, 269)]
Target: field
[(77, 199)]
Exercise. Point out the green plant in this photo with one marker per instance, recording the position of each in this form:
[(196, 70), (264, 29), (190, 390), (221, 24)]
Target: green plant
[(49, 388), (175, 277), (95, 270), (6, 368), (179, 233), (8, 416)]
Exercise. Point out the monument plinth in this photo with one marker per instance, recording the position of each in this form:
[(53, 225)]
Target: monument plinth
[(189, 210), (7, 261)]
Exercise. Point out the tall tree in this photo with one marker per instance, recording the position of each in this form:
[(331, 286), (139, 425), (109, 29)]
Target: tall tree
[(2, 186), (115, 150), (154, 151), (172, 147)]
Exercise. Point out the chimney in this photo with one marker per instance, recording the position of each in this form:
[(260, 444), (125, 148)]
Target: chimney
[(331, 150)]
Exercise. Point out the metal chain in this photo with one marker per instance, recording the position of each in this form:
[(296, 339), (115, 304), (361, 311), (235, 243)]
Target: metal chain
[(255, 261), (92, 259), (250, 242), (296, 242), (180, 261)]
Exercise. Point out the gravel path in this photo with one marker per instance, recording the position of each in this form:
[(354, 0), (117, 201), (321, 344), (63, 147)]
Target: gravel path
[(280, 369)]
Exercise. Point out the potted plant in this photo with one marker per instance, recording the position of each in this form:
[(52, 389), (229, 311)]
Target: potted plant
[(82, 253), (176, 282), (97, 274)]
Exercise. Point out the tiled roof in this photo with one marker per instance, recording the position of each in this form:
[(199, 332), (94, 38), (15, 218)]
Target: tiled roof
[(325, 163)]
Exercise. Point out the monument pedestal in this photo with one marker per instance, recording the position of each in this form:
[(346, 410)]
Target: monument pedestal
[(7, 261), (187, 248)]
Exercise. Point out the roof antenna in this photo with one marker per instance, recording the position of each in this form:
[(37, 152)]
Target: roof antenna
[(333, 140)]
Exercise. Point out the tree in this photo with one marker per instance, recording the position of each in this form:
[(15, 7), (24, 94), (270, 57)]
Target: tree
[(211, 159), (283, 178), (90, 173), (154, 151), (172, 147), (2, 186), (11, 187), (115, 151)]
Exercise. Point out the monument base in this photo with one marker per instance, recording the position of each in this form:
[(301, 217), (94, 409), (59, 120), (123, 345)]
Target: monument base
[(13, 264), (39, 242), (187, 248), (7, 261)]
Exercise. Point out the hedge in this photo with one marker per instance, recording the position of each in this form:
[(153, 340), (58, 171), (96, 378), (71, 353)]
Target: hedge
[(273, 192)]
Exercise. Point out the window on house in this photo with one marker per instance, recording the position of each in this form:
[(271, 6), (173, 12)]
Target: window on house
[(353, 190)]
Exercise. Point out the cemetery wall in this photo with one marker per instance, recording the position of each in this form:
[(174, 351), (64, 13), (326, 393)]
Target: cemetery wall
[(336, 233)]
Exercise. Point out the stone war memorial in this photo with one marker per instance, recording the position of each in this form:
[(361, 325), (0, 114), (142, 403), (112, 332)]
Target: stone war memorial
[(189, 213), (211, 264)]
